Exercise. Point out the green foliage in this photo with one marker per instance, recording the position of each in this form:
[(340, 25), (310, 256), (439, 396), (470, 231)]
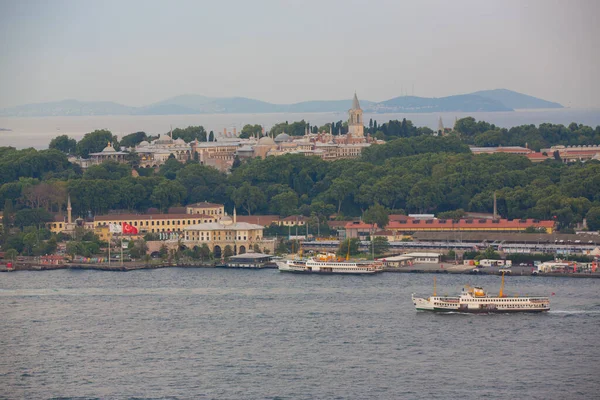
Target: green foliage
[(297, 128), (95, 142), (593, 218), (133, 139), (227, 251), (190, 134), (379, 245), (251, 130), (455, 214), (352, 243), (32, 217), (63, 143), (138, 248), (376, 214), (30, 163), (109, 170), (481, 133), (248, 197)]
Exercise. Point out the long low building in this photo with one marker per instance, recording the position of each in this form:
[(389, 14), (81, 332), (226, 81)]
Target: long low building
[(155, 223), (474, 225)]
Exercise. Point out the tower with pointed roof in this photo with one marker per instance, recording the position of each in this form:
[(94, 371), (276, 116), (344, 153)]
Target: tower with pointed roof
[(355, 119)]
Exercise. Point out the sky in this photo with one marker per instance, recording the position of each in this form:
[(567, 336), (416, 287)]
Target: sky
[(140, 52)]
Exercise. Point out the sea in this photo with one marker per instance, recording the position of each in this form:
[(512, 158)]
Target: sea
[(38, 132), (259, 334)]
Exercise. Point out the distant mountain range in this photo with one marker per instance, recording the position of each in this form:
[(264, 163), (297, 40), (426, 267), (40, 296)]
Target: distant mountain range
[(486, 100)]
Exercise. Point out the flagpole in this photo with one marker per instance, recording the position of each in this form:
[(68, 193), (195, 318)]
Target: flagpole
[(109, 240), (121, 245)]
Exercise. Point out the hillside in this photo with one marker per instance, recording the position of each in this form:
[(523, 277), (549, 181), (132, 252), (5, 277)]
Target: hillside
[(487, 100), (464, 103), (516, 100)]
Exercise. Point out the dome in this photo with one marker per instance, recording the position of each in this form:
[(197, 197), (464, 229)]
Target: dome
[(283, 137), (109, 148), (144, 143), (266, 141), (179, 141)]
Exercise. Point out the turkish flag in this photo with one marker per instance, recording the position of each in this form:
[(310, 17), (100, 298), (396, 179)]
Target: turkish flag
[(129, 229)]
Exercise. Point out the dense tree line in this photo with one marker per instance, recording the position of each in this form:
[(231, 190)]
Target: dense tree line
[(416, 173), (481, 133)]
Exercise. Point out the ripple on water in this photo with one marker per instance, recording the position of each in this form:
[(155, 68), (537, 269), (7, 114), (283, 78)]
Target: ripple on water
[(179, 333)]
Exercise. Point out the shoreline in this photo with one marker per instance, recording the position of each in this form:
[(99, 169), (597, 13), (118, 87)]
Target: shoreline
[(418, 269)]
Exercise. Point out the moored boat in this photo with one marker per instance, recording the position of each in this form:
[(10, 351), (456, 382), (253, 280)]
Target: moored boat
[(329, 264), (476, 300)]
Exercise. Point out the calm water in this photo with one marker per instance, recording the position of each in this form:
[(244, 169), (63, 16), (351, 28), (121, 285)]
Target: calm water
[(228, 334), (37, 132)]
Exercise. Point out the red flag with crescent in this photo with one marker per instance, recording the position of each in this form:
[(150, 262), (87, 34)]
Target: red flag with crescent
[(129, 229)]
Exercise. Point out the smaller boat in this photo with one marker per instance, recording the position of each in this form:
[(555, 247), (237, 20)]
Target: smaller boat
[(476, 300)]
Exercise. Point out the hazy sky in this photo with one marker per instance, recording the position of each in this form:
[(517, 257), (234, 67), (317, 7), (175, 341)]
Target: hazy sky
[(139, 52)]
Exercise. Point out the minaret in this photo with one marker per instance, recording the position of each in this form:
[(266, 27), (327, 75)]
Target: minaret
[(440, 127), (69, 210), (355, 119)]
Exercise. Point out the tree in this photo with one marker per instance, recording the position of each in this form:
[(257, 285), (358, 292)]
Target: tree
[(133, 139), (32, 217), (248, 197), (340, 189), (96, 141), (352, 243), (11, 254), (251, 130), (190, 134), (593, 218), (167, 194), (227, 251), (377, 214), (63, 143), (138, 249), (284, 204), (380, 245), (211, 137), (7, 214)]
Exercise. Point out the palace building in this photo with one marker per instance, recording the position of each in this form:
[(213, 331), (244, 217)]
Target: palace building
[(239, 236)]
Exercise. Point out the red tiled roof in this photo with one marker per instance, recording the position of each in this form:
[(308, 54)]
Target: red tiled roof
[(204, 204), (468, 223), (337, 224), (537, 156), (264, 220), (359, 225), (124, 217)]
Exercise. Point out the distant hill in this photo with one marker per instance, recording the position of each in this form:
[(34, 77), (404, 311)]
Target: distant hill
[(487, 100), (463, 102), (516, 100)]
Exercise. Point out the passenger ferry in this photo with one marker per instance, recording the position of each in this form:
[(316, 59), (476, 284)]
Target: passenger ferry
[(329, 264), (476, 300)]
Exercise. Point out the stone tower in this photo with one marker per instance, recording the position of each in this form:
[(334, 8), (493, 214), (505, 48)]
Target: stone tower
[(355, 119)]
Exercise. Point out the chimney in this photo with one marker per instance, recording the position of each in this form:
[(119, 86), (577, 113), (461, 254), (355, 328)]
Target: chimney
[(234, 216)]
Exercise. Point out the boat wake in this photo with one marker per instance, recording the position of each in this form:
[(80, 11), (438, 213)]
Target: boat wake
[(574, 312)]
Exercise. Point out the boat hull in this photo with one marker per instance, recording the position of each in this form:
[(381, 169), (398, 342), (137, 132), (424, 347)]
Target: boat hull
[(303, 269), (481, 311)]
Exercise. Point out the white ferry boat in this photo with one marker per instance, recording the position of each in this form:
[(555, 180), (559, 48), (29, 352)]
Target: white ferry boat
[(329, 264), (476, 300)]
